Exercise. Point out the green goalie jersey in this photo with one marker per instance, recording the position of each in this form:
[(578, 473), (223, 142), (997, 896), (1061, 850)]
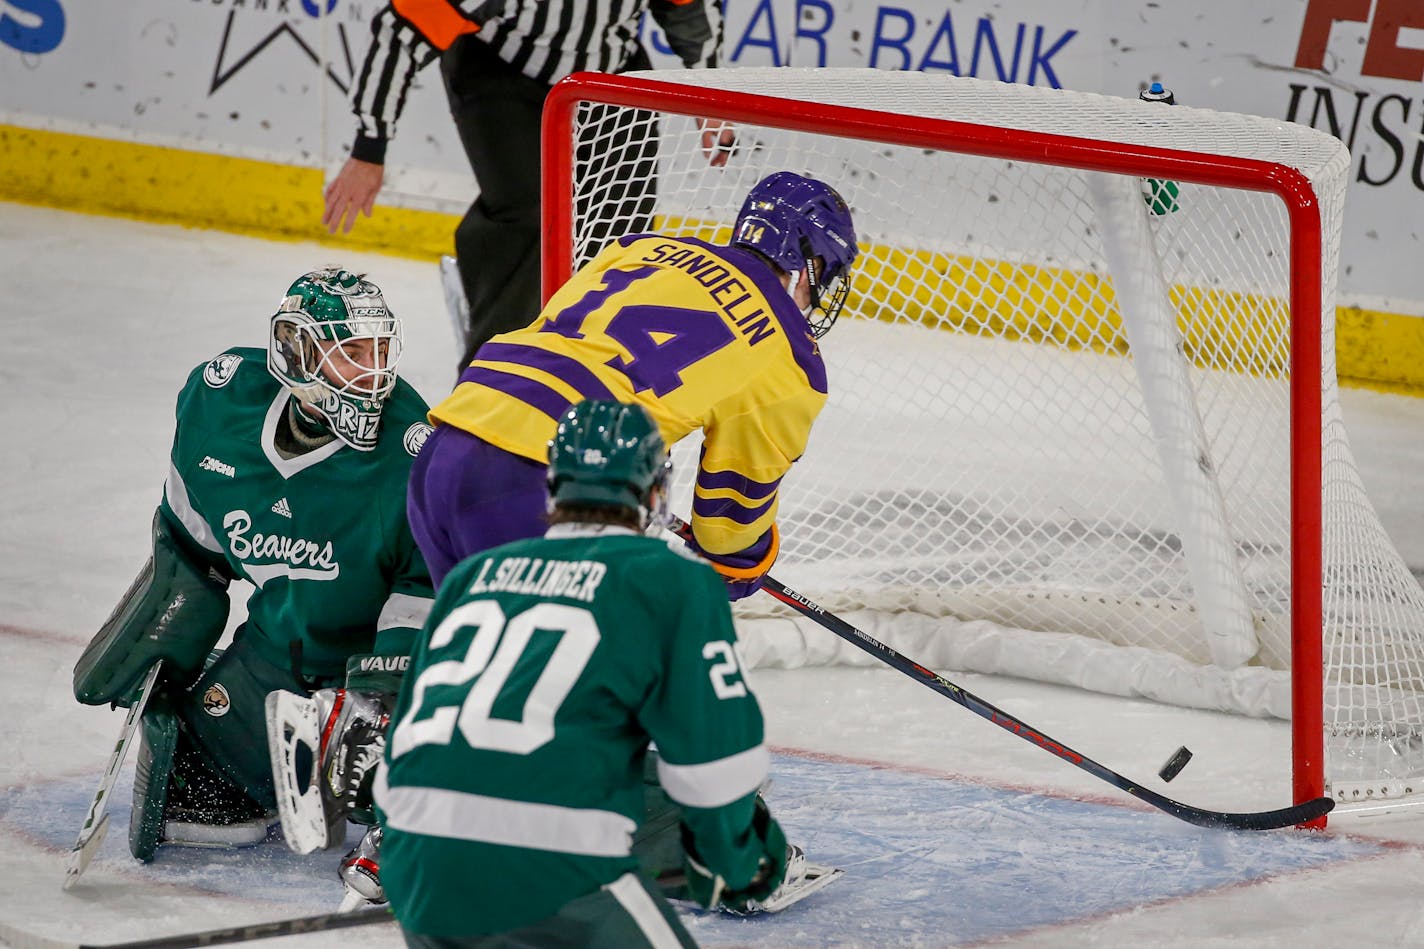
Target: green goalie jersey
[(322, 536), (514, 767)]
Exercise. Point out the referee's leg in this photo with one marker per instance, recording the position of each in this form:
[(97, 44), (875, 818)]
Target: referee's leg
[(497, 111)]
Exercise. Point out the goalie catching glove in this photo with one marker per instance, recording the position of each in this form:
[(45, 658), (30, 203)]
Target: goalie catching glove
[(742, 570)]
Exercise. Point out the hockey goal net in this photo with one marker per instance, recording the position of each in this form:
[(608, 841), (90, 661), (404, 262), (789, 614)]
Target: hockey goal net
[(1083, 422)]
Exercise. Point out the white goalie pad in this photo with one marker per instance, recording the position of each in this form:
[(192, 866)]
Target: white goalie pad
[(294, 742)]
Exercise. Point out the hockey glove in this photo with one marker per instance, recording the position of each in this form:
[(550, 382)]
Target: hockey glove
[(381, 674), (710, 890), (744, 570)]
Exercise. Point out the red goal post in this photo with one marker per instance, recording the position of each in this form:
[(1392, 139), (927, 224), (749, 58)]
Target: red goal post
[(845, 125)]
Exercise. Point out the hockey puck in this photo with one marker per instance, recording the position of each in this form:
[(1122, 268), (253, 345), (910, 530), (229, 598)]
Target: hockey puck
[(1175, 764)]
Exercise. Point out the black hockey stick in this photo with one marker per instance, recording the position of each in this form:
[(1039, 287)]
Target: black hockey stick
[(1261, 820), (296, 926)]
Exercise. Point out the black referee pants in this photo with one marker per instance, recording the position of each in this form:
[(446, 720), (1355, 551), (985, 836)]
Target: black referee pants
[(497, 112)]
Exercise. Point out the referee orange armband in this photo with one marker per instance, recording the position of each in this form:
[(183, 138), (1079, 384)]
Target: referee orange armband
[(440, 22)]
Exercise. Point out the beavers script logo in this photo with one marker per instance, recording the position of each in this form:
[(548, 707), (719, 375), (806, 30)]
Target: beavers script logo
[(265, 556)]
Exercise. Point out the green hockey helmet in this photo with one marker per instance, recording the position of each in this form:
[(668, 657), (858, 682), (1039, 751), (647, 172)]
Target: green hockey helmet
[(609, 454), (335, 344)]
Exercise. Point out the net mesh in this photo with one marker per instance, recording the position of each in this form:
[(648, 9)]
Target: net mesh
[(1057, 441)]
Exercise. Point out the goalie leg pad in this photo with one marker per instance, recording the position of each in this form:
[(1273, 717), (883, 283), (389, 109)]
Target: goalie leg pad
[(204, 810), (175, 611), (225, 715), (177, 799), (157, 745)]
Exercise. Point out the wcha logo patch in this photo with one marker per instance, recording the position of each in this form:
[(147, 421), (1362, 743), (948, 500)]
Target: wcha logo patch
[(209, 463)]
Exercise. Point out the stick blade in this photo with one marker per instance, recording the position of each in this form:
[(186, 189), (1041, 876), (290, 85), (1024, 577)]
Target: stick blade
[(1262, 820), (84, 852)]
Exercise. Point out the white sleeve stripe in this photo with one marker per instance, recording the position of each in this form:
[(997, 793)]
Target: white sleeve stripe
[(638, 904), (715, 783), (459, 815), (402, 609), (176, 493)]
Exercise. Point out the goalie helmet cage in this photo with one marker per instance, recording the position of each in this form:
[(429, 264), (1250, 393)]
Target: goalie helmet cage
[(1083, 422)]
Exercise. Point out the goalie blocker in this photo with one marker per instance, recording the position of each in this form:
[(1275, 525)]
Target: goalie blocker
[(174, 611)]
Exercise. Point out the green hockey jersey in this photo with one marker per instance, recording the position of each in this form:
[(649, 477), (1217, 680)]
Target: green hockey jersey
[(322, 537), (514, 767)]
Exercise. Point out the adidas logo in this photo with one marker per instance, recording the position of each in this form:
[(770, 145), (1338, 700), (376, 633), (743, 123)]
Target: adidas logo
[(283, 508)]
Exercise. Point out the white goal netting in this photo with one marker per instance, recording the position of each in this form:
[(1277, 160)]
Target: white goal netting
[(1058, 442)]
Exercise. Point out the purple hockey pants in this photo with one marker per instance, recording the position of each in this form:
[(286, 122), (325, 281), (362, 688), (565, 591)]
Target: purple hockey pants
[(467, 496)]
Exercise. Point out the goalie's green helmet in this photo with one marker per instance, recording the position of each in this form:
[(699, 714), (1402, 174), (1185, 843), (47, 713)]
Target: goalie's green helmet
[(607, 454), (335, 344)]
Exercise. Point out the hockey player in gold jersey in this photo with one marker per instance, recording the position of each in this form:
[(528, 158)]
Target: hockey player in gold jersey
[(710, 337)]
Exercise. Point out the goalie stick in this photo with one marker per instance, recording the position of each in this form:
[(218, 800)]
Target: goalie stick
[(295, 926), (1259, 820), (96, 822)]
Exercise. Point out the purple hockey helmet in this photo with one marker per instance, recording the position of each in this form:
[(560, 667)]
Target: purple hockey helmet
[(792, 220)]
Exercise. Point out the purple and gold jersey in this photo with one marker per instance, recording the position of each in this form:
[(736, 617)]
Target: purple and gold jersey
[(702, 336)]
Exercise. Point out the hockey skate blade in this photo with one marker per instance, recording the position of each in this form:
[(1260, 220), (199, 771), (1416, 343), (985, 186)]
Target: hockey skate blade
[(83, 852), (817, 878), (291, 726)]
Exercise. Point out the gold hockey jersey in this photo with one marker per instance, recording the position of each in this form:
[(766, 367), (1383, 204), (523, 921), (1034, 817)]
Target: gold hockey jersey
[(703, 336)]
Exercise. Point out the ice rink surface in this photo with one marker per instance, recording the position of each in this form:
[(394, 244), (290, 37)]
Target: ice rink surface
[(951, 831)]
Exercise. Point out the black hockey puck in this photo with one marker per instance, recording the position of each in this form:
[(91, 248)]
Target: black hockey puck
[(1175, 764)]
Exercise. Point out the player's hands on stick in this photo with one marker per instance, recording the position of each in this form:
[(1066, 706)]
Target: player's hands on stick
[(353, 190), (719, 140), (742, 570)]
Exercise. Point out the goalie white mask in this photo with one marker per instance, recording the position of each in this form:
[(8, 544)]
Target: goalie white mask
[(335, 344)]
